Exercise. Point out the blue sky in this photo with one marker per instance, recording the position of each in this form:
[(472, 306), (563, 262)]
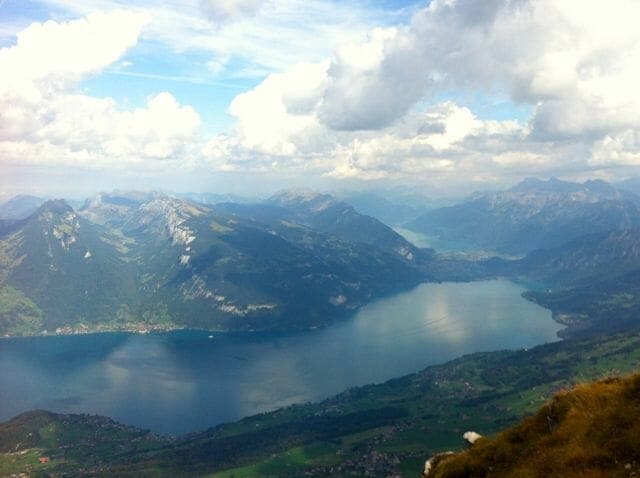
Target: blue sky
[(154, 66), (157, 67), (262, 94)]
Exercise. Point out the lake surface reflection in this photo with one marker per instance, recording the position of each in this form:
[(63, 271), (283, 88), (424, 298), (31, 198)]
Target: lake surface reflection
[(185, 381)]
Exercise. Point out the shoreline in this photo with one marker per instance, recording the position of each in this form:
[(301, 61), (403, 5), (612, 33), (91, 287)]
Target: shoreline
[(169, 336), (144, 329), (312, 403), (132, 331)]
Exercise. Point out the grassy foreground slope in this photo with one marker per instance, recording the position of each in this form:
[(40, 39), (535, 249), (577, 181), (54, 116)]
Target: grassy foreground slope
[(592, 430), (382, 430)]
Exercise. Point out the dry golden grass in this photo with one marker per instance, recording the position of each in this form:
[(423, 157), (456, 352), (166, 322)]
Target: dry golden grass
[(591, 431)]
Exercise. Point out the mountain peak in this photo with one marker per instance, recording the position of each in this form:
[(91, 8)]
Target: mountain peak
[(54, 206), (599, 186), (555, 185), (305, 200), (298, 195), (532, 185), (24, 197)]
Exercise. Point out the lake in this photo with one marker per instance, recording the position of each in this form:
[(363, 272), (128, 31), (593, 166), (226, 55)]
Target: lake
[(186, 381), (448, 246)]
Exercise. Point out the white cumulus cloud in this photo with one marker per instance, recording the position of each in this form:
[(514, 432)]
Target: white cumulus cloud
[(340, 97), (378, 108), (44, 119), (51, 57), (576, 62)]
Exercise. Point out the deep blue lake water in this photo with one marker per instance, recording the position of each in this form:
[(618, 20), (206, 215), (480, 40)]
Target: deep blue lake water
[(185, 381)]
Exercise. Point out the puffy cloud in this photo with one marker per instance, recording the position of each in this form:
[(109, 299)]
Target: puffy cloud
[(375, 109), (445, 139), (439, 140), (393, 105), (366, 87), (277, 115), (576, 61), (622, 148), (156, 131), (44, 120), (51, 57), (92, 132)]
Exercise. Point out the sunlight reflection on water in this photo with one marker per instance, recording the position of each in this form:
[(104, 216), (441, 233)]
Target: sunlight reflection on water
[(185, 381)]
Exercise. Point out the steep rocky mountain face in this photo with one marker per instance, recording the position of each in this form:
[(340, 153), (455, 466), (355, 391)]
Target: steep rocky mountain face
[(533, 215), (57, 270), (147, 260)]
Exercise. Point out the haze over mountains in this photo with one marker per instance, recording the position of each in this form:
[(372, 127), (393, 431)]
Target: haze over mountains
[(19, 207), (579, 242), (532, 215), (300, 259)]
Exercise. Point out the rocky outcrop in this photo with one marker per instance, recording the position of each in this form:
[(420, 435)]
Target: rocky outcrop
[(432, 463)]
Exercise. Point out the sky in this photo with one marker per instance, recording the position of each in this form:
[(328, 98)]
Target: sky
[(245, 96)]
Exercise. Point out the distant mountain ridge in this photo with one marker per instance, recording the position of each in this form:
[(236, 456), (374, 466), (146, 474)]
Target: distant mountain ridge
[(586, 259), (592, 283), (20, 207), (325, 213), (555, 185), (532, 215), (391, 207)]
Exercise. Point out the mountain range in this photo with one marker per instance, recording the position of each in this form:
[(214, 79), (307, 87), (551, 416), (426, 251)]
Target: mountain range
[(146, 260), (325, 213), (140, 261), (534, 214), (300, 259), (592, 283)]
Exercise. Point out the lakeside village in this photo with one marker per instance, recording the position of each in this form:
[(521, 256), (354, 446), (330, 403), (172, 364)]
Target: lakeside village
[(82, 329)]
